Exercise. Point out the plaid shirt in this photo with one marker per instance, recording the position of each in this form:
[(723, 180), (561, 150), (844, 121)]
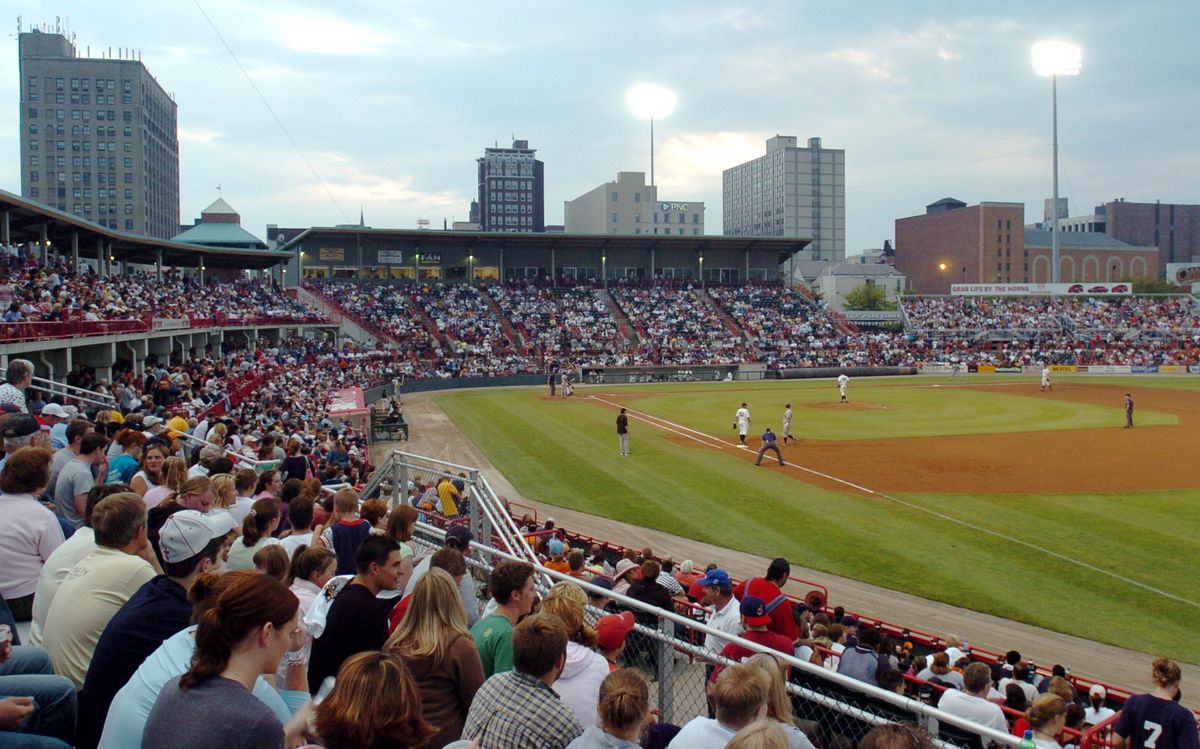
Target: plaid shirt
[(513, 710)]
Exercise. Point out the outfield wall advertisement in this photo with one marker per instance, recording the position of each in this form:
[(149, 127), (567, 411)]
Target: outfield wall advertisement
[(1033, 369), (1041, 289)]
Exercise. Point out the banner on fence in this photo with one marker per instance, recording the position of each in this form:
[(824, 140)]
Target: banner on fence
[(985, 369), (1041, 289), (1063, 368), (1171, 369), (1144, 369), (937, 368), (1009, 370), (1103, 368)]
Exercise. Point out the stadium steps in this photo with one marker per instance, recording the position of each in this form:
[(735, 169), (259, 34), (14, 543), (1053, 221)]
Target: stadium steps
[(730, 324), (348, 323), (440, 340), (506, 326), (624, 326)]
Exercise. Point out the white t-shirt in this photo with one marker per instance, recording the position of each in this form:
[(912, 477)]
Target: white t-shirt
[(974, 709), (702, 733), (92, 592), (295, 541), (1031, 692), (241, 508), (728, 619), (1092, 716), (81, 543)]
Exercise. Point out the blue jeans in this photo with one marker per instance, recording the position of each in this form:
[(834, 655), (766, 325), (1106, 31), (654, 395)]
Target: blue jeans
[(28, 673)]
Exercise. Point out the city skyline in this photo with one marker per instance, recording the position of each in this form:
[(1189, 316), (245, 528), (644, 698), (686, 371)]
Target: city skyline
[(392, 105)]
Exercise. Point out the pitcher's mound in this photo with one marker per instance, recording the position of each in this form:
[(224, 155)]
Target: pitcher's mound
[(851, 406)]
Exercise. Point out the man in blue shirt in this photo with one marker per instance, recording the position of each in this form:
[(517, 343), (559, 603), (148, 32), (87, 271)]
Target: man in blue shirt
[(768, 443), (191, 544)]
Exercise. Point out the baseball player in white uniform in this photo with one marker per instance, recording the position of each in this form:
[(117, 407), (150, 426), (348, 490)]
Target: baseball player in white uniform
[(741, 420), (842, 382), (787, 424), (1046, 384)]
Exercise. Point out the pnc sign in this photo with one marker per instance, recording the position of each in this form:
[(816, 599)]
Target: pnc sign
[(681, 207)]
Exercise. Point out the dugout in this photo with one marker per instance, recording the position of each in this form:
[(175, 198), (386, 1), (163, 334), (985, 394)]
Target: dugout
[(363, 252)]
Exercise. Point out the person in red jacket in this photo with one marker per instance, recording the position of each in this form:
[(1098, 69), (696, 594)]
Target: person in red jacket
[(769, 589)]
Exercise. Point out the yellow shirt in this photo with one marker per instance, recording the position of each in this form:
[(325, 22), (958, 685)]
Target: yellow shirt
[(447, 493), (88, 597)]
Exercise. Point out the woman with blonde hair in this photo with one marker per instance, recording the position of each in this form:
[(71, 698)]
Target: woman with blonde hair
[(1175, 723), (172, 474), (761, 734), (622, 712), (224, 491), (1047, 718), (434, 643), (194, 494), (375, 703), (578, 685), (779, 704)]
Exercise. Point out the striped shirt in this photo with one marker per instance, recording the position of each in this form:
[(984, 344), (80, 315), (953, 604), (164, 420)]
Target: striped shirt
[(514, 710)]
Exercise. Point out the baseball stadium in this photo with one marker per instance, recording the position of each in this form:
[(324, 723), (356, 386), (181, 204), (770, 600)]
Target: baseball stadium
[(1008, 479)]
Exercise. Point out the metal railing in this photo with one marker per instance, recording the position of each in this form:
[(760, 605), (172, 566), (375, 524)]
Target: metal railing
[(73, 392), (833, 709)]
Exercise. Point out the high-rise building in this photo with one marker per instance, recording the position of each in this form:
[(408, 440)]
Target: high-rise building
[(511, 189), (98, 137), (630, 206), (790, 192)]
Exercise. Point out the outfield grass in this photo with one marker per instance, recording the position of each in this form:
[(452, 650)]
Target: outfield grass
[(564, 453)]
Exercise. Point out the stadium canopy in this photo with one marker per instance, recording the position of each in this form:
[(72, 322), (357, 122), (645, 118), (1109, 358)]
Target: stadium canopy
[(425, 240), (27, 221)]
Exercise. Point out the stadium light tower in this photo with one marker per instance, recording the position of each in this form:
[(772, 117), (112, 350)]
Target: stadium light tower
[(648, 101), (1055, 58)]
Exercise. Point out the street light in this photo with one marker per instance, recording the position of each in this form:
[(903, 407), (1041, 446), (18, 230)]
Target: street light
[(1055, 58), (648, 101)]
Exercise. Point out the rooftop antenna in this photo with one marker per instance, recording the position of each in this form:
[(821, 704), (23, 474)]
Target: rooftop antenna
[(422, 223)]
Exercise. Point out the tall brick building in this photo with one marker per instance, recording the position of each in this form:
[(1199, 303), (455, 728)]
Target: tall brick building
[(1173, 228), (988, 243)]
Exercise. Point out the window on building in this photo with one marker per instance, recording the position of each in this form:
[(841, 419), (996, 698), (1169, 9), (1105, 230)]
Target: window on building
[(34, 192), (614, 198), (637, 197), (33, 81), (614, 218), (695, 218), (58, 84), (33, 176), (33, 113), (128, 224)]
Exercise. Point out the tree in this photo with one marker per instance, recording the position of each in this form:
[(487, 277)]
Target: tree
[(868, 298), (1154, 286)]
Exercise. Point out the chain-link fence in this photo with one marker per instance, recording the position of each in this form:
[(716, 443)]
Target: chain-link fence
[(834, 710)]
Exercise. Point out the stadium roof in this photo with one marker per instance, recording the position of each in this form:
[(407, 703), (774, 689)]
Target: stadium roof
[(26, 219), (785, 246), (220, 234)]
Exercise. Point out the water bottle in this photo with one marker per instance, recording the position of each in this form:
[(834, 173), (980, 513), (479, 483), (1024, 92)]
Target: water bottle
[(1026, 741)]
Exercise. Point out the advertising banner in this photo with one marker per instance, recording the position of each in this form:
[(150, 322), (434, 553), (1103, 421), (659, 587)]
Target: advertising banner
[(986, 369), (391, 257), (1144, 369), (1009, 370), (1171, 369), (1194, 368), (937, 368), (1063, 368), (1041, 289), (972, 368)]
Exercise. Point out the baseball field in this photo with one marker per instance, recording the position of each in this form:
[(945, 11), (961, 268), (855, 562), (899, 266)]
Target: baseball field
[(983, 492)]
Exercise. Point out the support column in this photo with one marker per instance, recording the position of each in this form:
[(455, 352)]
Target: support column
[(201, 270), (45, 244), (158, 265), (5, 230), (75, 251), (100, 257)]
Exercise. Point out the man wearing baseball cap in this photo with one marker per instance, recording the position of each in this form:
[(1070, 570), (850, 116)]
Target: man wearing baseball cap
[(54, 418), (611, 632), (755, 620), (724, 613), (191, 545), (20, 430)]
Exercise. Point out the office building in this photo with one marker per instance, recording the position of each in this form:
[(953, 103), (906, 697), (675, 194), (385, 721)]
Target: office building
[(1174, 228), (790, 192), (989, 243), (511, 190), (629, 206), (98, 137)]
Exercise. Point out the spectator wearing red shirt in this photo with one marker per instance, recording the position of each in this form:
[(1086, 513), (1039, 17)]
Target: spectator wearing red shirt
[(769, 590), (755, 625)]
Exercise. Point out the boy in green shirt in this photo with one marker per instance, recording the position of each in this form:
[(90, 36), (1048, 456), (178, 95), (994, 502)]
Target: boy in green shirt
[(511, 585)]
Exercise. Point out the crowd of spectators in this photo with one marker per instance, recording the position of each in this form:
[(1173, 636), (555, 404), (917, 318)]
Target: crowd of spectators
[(567, 323), (54, 294), (675, 326)]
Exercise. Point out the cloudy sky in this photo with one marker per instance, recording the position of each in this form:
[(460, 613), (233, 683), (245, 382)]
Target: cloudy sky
[(392, 102)]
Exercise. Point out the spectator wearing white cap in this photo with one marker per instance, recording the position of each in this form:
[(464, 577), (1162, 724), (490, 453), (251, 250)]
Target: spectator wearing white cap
[(99, 584), (1096, 711), (56, 417)]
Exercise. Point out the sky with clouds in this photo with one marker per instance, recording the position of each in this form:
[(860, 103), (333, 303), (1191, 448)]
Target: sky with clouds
[(391, 103)]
